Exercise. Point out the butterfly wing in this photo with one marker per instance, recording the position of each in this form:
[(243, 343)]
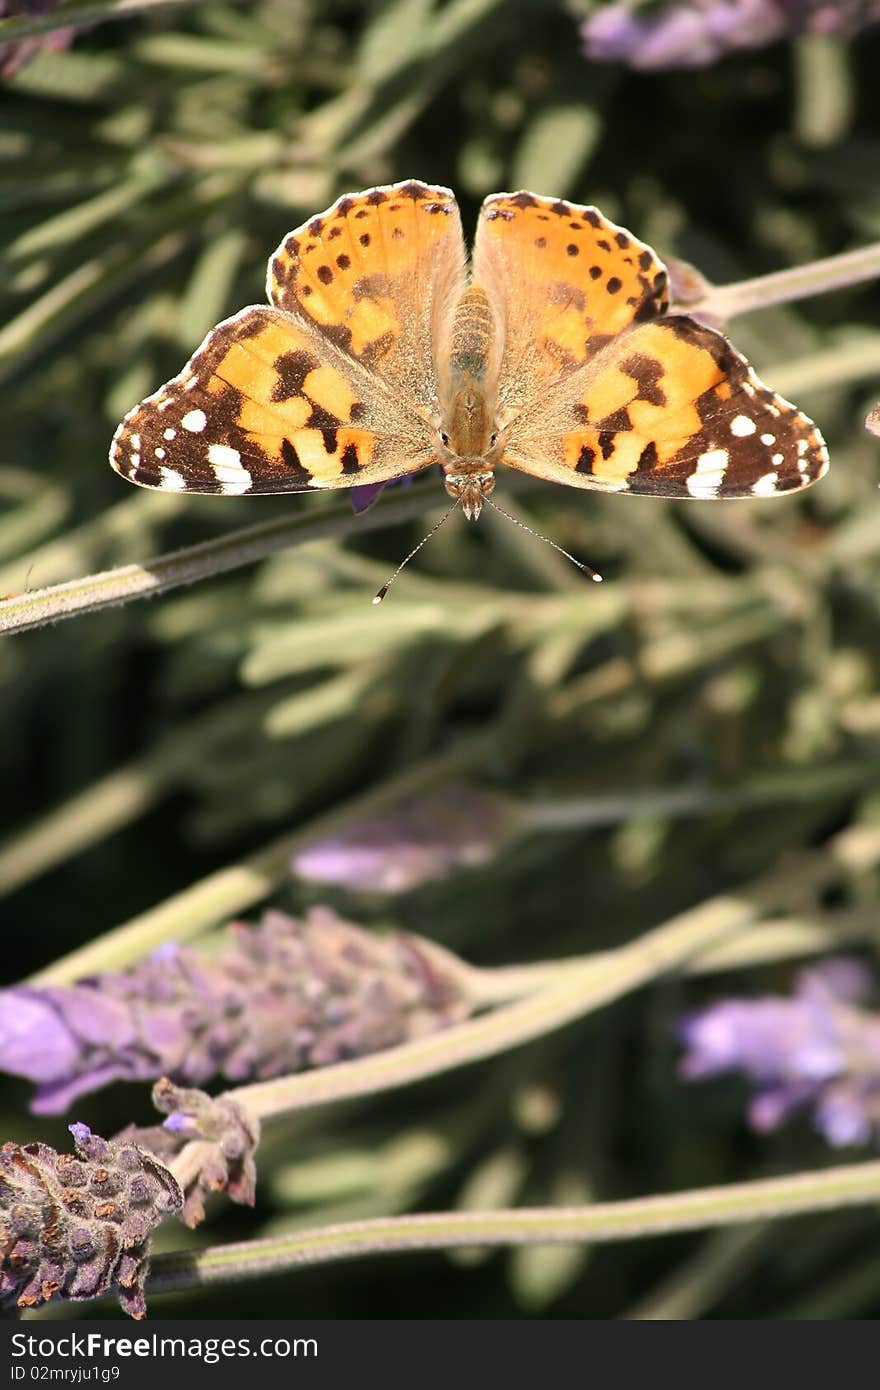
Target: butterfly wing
[(334, 384), (265, 407), (379, 274), (599, 387), (669, 409), (564, 281)]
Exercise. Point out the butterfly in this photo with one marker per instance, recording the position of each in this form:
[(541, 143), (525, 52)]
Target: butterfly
[(381, 352)]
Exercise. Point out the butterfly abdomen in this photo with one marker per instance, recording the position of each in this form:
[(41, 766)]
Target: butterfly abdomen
[(473, 335), (469, 380)]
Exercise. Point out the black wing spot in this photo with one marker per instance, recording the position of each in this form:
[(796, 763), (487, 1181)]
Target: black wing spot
[(292, 369), (647, 459), (350, 460), (586, 458)]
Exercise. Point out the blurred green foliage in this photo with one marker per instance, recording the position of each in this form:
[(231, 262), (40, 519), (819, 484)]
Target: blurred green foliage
[(145, 177)]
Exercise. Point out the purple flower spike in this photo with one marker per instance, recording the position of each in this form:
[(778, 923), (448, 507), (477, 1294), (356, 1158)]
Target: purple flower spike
[(283, 996), (816, 1048), (694, 33), (80, 1227), (417, 840)]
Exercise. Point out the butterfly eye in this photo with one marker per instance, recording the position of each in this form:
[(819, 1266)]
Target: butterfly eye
[(444, 437)]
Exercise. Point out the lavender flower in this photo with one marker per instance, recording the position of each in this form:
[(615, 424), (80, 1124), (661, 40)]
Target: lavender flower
[(79, 1227), (283, 996), (223, 1136), (14, 55), (363, 497), (419, 839), (694, 33), (817, 1048)]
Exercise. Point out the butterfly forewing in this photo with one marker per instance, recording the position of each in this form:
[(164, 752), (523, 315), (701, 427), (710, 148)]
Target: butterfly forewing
[(564, 281), (379, 275)]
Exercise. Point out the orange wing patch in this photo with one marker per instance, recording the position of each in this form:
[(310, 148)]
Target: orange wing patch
[(379, 274), (261, 408), (568, 280)]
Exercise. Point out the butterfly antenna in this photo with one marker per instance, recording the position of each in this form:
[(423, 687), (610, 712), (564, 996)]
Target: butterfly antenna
[(415, 550), (594, 574)]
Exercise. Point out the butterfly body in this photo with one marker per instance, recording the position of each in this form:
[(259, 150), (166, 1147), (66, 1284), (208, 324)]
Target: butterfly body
[(382, 352)]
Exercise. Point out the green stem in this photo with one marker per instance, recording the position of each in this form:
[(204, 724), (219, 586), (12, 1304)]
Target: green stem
[(194, 562), (856, 1184), (798, 282), (785, 785)]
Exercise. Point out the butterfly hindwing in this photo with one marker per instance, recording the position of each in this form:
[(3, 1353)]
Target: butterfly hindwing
[(668, 409), (265, 406)]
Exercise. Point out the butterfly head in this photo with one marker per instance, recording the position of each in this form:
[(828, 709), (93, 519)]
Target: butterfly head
[(470, 489)]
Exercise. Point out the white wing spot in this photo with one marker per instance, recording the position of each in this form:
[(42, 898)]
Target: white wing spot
[(194, 421), (135, 442), (169, 434), (708, 476), (741, 425), (766, 486), (172, 481), (768, 439), (801, 447), (777, 459), (160, 453), (228, 470), (135, 460)]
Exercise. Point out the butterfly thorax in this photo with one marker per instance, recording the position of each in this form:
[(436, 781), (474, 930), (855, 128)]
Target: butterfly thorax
[(468, 434)]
